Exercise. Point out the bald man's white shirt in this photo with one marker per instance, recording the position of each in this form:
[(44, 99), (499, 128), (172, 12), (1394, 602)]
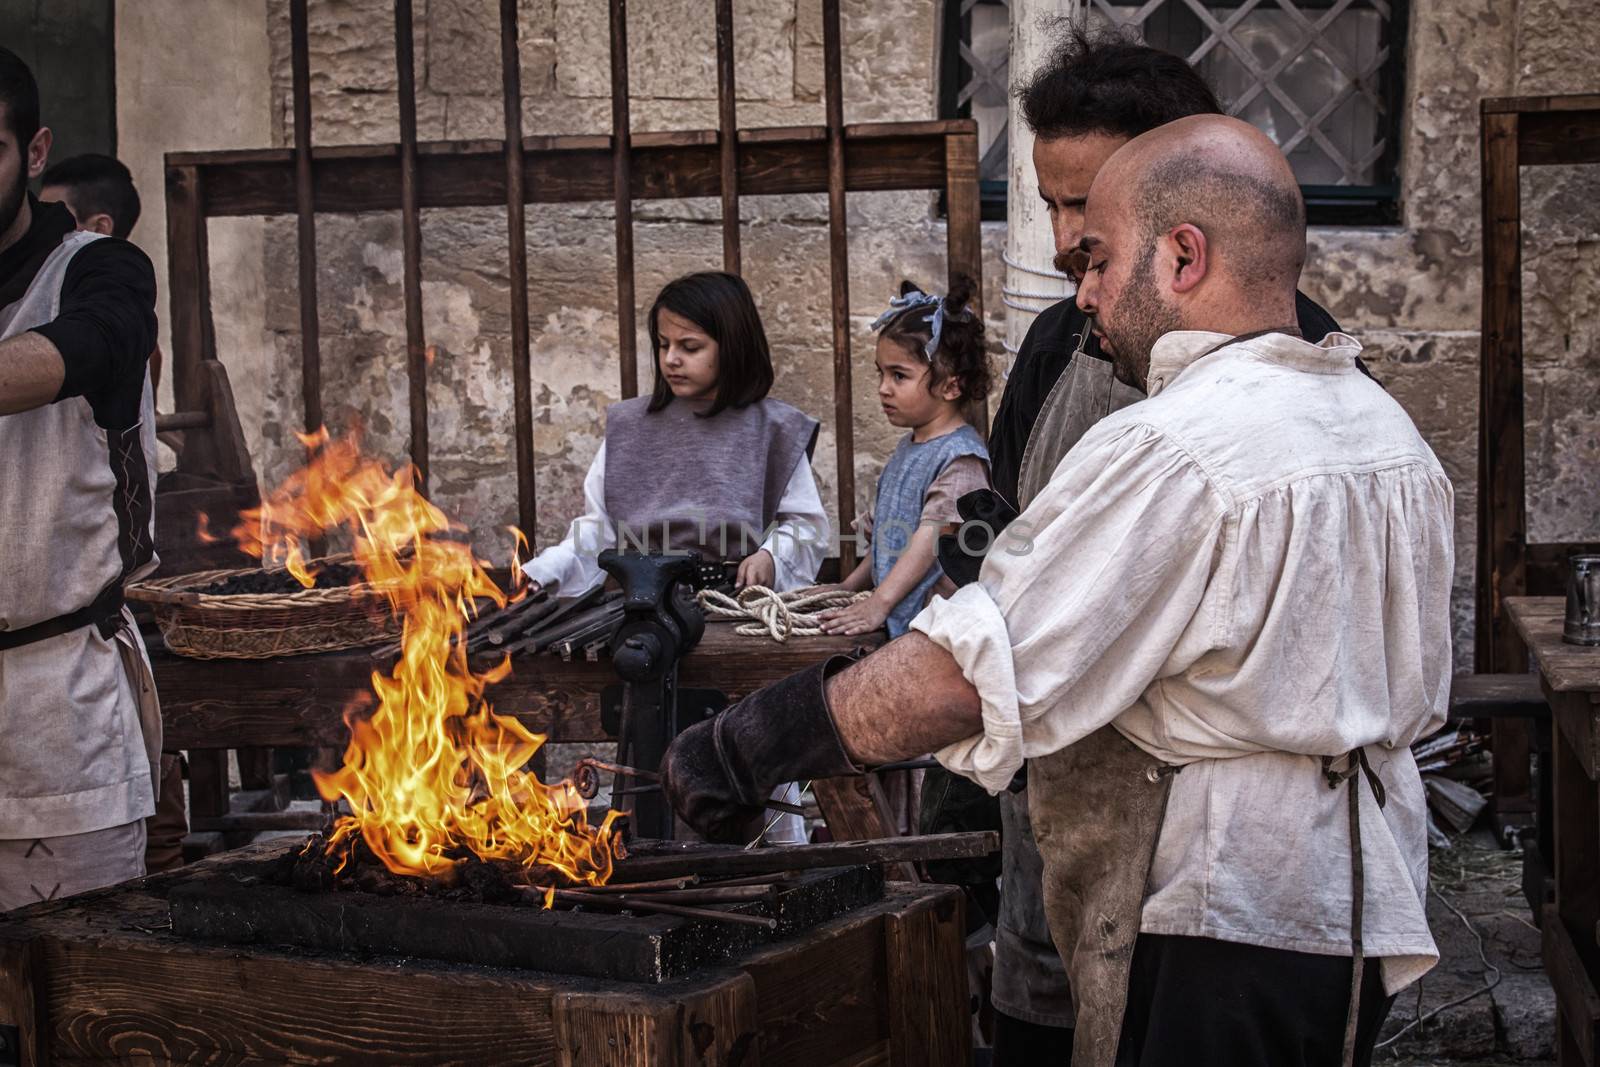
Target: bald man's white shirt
[(1247, 571)]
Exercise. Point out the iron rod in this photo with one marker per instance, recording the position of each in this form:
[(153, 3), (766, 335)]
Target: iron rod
[(305, 212), (622, 180), (517, 237), (728, 137), (839, 272), (411, 241)]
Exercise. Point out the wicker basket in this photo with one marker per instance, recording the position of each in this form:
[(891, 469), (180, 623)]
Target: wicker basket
[(264, 625)]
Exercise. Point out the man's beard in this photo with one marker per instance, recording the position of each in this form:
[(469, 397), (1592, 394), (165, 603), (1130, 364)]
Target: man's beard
[(11, 201), (1141, 319)]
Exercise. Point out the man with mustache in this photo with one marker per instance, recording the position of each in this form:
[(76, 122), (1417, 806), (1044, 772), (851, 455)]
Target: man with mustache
[(1092, 96), (82, 733), (1232, 827)]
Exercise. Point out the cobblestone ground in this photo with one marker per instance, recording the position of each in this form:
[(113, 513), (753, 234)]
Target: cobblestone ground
[(1488, 1001)]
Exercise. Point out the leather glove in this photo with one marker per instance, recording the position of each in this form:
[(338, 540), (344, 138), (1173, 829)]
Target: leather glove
[(718, 774), (984, 513)]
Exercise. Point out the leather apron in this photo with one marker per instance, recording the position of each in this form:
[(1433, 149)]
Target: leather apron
[(1096, 806)]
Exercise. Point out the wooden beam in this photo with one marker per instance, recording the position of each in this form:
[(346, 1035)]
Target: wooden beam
[(1558, 138), (622, 197), (839, 275), (964, 222), (1502, 508), (775, 161), (411, 242), (728, 137), (305, 211), (517, 238), (188, 284)]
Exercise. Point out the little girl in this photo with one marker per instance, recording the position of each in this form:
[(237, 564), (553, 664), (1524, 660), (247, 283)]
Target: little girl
[(933, 377), (707, 462)]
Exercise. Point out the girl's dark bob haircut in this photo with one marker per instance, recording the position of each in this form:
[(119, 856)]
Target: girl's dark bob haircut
[(721, 305)]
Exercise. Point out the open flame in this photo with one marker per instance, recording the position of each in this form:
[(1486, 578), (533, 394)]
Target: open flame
[(433, 774)]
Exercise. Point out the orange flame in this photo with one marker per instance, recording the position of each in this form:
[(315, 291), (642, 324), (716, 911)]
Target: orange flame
[(433, 773)]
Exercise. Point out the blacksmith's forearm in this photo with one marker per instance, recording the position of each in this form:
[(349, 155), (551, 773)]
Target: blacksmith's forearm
[(31, 373), (907, 699)]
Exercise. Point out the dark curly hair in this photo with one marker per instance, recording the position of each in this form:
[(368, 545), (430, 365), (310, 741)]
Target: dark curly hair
[(961, 354), (1108, 83)]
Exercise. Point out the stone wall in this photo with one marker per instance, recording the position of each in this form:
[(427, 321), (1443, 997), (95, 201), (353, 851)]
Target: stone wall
[(1410, 291)]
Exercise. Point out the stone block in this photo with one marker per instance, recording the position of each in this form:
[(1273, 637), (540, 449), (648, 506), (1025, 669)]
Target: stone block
[(1525, 1010), (464, 46), (1555, 51), (886, 58), (672, 50)]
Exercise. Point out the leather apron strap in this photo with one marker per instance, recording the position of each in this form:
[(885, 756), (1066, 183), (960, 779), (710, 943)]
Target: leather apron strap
[(1097, 808), (1356, 767)]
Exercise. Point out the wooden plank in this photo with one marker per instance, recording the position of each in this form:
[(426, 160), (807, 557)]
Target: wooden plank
[(517, 238), (472, 174), (208, 781), (695, 859), (1565, 668), (924, 950), (1502, 517), (188, 284), (1571, 102), (189, 1003), (1577, 1003), (839, 277), (301, 700), (728, 137), (825, 1004), (622, 198), (21, 976), (411, 243), (1560, 138), (305, 212), (715, 1026), (1488, 695), (855, 809), (964, 223)]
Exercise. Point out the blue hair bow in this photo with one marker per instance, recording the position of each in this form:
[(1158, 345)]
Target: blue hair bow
[(916, 298)]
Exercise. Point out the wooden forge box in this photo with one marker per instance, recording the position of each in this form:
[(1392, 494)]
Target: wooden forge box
[(106, 978)]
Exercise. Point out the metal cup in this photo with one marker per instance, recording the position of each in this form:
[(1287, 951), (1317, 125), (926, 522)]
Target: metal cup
[(1582, 626)]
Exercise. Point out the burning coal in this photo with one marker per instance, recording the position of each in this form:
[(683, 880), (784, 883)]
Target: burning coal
[(434, 777)]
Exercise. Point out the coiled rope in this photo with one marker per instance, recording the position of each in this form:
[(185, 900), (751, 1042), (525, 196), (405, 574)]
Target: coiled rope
[(778, 615)]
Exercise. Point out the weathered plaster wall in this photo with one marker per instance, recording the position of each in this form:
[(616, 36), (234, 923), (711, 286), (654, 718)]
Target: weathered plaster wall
[(1412, 293), (889, 49), (173, 57)]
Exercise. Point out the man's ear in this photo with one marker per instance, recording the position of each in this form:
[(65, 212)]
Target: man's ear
[(99, 222), (39, 151), (1190, 254)]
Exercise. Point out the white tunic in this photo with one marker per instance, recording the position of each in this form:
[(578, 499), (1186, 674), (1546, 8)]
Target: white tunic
[(1245, 572), (80, 732), (798, 542)]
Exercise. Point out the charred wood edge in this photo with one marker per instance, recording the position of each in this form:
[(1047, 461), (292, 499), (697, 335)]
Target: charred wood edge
[(634, 902), (797, 857)]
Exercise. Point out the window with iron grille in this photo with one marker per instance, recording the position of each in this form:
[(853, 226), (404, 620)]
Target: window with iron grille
[(1322, 78)]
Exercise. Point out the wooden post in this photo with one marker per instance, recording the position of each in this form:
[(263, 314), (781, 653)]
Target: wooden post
[(411, 241), (963, 220), (728, 137), (305, 211), (517, 238), (189, 291), (1502, 507), (839, 270), (622, 180)]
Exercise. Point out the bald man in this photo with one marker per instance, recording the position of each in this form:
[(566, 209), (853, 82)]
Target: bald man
[(1227, 623)]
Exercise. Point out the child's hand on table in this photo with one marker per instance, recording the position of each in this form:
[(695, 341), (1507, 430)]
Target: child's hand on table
[(862, 617), (756, 569)]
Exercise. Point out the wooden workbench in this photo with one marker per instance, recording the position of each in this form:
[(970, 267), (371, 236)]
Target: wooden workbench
[(1570, 677), (300, 700)]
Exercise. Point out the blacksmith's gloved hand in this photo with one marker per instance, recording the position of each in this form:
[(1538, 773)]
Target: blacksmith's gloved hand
[(718, 774)]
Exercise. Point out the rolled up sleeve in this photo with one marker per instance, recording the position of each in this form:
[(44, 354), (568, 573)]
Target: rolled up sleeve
[(1091, 595)]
